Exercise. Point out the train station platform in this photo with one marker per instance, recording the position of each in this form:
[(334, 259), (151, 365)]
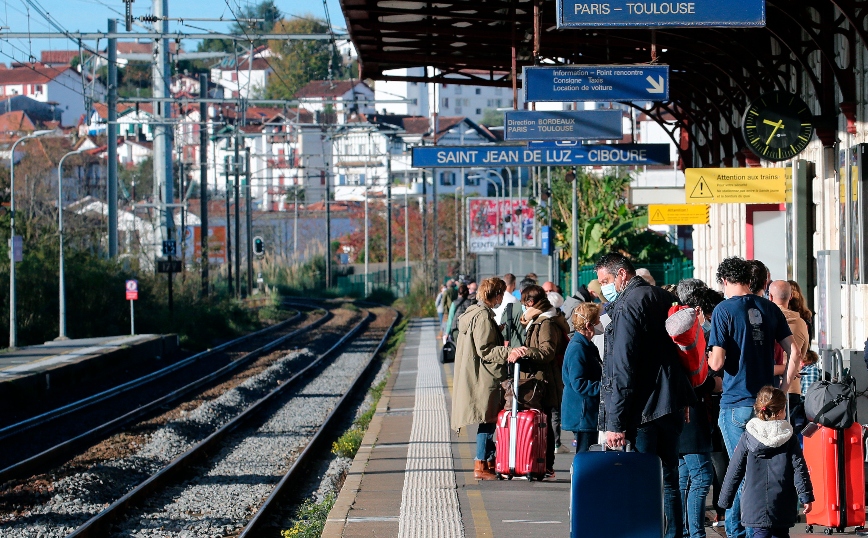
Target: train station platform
[(30, 374), (413, 476)]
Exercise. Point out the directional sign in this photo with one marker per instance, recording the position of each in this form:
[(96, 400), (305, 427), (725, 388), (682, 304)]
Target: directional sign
[(580, 155), (564, 125), (678, 215), (596, 83), (737, 185), (627, 13), (132, 290)]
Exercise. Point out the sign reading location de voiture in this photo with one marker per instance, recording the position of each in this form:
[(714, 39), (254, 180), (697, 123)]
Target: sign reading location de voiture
[(596, 83), (737, 185), (579, 155), (564, 125), (626, 13)]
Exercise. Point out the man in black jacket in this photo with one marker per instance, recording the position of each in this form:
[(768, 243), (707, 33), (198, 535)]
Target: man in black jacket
[(644, 387)]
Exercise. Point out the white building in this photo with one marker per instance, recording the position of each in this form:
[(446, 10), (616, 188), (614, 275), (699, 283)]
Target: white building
[(334, 101), (59, 85), (243, 78), (415, 93)]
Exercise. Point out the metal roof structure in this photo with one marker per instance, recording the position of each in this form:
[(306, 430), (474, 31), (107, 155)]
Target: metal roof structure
[(814, 48)]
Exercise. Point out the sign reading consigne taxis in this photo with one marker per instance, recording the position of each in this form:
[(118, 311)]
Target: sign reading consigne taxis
[(678, 214), (737, 185)]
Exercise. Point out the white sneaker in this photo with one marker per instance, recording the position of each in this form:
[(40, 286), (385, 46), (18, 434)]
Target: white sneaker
[(718, 524)]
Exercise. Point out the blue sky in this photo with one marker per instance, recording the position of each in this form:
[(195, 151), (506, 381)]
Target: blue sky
[(92, 15)]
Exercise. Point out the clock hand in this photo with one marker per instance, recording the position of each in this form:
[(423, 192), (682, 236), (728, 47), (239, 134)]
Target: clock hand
[(777, 125), (773, 124)]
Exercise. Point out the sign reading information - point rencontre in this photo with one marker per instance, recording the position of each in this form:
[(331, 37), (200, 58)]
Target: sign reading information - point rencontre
[(626, 13), (579, 155), (596, 83), (564, 125)]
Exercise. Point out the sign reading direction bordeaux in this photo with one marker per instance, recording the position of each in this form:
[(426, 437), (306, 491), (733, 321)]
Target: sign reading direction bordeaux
[(564, 125), (582, 155), (621, 13), (596, 83)]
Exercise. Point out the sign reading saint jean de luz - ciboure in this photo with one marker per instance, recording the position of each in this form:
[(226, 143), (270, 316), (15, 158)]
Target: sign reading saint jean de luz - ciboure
[(546, 153), (596, 83), (627, 13)]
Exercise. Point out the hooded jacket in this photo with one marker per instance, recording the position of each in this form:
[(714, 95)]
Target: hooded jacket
[(546, 339), (770, 460), (581, 374), (643, 379), (480, 367)]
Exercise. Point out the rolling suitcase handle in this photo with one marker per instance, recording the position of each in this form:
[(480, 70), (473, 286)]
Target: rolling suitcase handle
[(513, 419)]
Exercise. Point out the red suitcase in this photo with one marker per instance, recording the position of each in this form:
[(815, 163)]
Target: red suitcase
[(521, 441), (835, 462)]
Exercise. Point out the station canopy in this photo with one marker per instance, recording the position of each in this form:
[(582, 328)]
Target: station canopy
[(808, 47)]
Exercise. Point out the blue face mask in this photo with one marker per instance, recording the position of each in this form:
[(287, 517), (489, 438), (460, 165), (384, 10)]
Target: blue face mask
[(523, 309), (706, 326), (609, 292)]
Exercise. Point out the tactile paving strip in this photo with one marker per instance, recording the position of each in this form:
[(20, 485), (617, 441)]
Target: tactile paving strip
[(429, 500)]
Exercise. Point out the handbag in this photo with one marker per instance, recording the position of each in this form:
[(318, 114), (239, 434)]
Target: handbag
[(531, 392), (832, 403)]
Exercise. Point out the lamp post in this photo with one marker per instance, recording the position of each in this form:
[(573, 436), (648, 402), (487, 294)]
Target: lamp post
[(62, 286), (13, 334)]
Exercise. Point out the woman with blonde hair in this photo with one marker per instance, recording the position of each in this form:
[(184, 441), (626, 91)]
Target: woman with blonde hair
[(480, 368), (582, 372)]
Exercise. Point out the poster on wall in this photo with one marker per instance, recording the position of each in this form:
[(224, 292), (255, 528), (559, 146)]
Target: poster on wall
[(216, 244), (493, 222)]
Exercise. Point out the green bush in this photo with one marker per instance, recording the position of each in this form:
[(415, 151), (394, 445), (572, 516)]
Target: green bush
[(419, 303), (310, 518)]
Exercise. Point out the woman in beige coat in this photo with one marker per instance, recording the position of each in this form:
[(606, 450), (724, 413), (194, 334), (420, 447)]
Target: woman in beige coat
[(480, 367)]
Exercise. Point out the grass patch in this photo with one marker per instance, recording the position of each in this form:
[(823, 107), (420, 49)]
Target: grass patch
[(418, 303), (351, 307), (310, 518)]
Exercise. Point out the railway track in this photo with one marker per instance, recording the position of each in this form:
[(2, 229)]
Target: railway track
[(153, 472), (36, 444)]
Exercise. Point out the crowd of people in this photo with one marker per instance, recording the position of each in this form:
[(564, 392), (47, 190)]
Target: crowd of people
[(609, 371)]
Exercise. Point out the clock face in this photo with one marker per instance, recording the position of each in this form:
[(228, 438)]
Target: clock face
[(778, 126)]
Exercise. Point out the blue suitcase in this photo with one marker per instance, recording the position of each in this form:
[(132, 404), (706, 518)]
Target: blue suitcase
[(616, 494)]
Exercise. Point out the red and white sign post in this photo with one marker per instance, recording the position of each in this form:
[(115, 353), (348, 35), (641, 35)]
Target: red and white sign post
[(132, 296)]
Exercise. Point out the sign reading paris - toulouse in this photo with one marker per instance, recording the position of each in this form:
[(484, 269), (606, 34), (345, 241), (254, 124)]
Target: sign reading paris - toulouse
[(621, 13), (579, 155), (596, 83), (564, 125)]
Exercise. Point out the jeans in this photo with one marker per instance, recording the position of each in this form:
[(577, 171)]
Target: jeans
[(660, 436), (720, 461), (780, 532), (584, 440), (695, 473), (732, 423), (485, 442)]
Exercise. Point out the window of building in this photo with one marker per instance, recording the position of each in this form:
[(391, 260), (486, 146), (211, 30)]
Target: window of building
[(445, 102), (447, 178), (39, 88), (478, 111), (458, 110), (342, 179), (478, 91), (498, 91), (458, 90)]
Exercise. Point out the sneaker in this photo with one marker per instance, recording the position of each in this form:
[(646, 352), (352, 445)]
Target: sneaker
[(550, 473), (575, 444), (718, 524)]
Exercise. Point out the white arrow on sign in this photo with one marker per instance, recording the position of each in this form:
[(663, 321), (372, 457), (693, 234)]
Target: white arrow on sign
[(657, 86)]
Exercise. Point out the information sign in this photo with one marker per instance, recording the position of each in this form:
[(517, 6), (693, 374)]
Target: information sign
[(596, 83), (547, 240), (678, 215), (541, 155), (629, 13), (170, 247), (17, 248), (737, 185), (132, 290), (168, 266), (564, 125)]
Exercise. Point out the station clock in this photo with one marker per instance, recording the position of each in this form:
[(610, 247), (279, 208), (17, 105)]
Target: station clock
[(778, 126)]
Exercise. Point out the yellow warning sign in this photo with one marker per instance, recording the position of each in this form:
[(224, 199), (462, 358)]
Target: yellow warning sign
[(737, 185), (678, 214)]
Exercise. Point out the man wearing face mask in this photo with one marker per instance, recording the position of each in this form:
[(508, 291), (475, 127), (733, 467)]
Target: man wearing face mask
[(644, 387)]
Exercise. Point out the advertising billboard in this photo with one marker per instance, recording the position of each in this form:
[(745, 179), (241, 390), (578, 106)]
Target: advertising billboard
[(488, 225)]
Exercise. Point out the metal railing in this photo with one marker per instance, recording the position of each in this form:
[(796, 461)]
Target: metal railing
[(663, 273), (354, 285)]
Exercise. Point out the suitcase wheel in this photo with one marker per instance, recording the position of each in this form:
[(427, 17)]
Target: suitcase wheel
[(828, 531), (500, 477), (809, 529), (860, 528)]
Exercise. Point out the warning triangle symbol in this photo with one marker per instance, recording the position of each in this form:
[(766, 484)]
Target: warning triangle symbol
[(701, 190), (657, 217)]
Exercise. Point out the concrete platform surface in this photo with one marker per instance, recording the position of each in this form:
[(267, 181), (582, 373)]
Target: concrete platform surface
[(413, 476)]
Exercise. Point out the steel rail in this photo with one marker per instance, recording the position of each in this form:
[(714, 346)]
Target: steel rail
[(24, 425), (98, 525), (56, 453), (255, 526)]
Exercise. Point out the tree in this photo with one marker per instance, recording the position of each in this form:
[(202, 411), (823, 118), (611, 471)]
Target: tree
[(606, 221), (492, 118), (296, 63), (266, 10)]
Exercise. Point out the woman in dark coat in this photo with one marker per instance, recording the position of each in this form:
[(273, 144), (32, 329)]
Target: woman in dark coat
[(582, 372)]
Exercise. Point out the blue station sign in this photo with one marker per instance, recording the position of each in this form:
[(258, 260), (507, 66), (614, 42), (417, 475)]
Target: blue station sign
[(629, 13), (541, 155), (564, 125), (596, 83)]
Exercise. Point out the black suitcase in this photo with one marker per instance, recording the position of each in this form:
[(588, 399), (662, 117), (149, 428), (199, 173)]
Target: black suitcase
[(447, 354)]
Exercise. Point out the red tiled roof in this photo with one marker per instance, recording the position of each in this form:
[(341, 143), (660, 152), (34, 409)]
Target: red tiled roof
[(16, 120), (57, 56), (128, 47), (327, 88), (35, 74), (417, 125)]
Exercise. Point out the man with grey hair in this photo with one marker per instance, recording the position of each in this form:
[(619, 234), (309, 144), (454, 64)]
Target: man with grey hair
[(687, 286)]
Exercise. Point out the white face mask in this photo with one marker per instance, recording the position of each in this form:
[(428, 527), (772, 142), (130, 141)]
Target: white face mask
[(598, 329)]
